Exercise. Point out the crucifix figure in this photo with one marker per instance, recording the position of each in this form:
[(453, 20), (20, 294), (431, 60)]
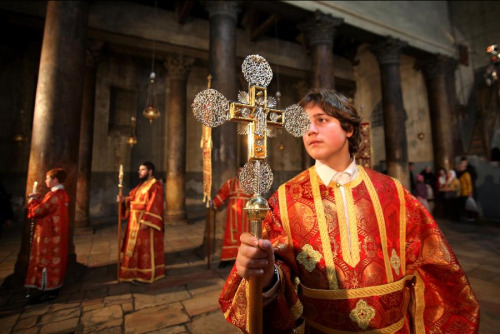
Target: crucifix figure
[(256, 114)]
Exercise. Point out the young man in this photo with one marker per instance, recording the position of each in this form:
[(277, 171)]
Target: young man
[(49, 243), (347, 249), (143, 256), (236, 220)]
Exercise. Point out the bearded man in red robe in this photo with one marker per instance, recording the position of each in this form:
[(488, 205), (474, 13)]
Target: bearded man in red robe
[(347, 249), (49, 245), (143, 259)]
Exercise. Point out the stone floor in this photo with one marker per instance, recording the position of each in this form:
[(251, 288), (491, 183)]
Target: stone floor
[(185, 301)]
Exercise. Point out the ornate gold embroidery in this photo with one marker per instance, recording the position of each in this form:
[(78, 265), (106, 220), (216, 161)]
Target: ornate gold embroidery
[(309, 257), (395, 261), (362, 314)]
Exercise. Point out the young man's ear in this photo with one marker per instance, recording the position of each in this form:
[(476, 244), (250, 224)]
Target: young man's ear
[(350, 132)]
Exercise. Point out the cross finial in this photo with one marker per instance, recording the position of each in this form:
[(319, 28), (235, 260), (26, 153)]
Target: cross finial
[(257, 115)]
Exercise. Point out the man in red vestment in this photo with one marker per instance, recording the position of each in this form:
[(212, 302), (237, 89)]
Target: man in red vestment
[(143, 259), (236, 220), (49, 243), (347, 249)]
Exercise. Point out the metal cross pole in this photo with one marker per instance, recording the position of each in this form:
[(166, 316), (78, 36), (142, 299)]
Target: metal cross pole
[(256, 118)]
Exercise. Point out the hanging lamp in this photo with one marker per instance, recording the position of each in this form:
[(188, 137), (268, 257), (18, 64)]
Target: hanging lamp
[(151, 111), (132, 140)]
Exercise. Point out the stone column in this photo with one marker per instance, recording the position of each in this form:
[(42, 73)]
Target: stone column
[(439, 108), (388, 53), (301, 89), (320, 31), (86, 135), (178, 68), (223, 20), (450, 80), (56, 120)]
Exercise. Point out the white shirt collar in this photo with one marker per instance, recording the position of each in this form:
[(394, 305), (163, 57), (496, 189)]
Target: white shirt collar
[(59, 186), (327, 174)]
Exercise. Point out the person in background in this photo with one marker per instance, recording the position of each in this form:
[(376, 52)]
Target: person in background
[(421, 191), (466, 192), (472, 172), (236, 219), (430, 182), (452, 192), (143, 256), (440, 207), (346, 249), (413, 183), (49, 243)]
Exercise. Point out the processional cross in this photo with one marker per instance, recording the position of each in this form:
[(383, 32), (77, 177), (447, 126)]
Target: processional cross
[(257, 118)]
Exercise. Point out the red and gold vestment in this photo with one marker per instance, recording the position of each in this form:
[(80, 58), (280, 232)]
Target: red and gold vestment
[(49, 246), (143, 257), (386, 269), (236, 219)]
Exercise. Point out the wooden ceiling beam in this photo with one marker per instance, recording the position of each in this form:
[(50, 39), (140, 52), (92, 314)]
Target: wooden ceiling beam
[(183, 10), (261, 29)]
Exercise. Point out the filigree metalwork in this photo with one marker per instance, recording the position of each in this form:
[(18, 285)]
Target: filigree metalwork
[(257, 71), (210, 108), (296, 120), (256, 177), (243, 97), (271, 102)]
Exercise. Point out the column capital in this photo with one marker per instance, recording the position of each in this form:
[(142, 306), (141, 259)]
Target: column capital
[(320, 29), (228, 8), (93, 53), (388, 50), (434, 66), (178, 66)]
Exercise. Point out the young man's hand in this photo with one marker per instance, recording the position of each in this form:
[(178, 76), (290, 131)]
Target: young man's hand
[(255, 258)]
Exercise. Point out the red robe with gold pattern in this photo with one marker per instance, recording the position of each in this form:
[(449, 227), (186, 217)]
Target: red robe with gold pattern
[(143, 257), (388, 269), (49, 246), (236, 220)]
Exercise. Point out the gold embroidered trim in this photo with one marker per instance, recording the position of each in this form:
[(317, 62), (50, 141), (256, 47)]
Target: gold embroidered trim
[(309, 257), (134, 231), (350, 250), (154, 215), (150, 225), (323, 229), (395, 261), (362, 314), (297, 308), (344, 237), (284, 213), (402, 226), (419, 289), (380, 220), (369, 291), (387, 330)]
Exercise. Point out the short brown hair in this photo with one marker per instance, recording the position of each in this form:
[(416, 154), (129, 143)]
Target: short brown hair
[(338, 106), (57, 173)]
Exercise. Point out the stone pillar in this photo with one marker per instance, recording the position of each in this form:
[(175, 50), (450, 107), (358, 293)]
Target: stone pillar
[(86, 135), (56, 120), (388, 53), (223, 20), (301, 89), (178, 68), (450, 80), (320, 31), (439, 108)]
